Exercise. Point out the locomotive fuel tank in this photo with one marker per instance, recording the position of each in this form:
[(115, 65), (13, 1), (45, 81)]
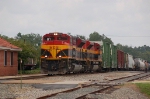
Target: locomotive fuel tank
[(77, 68), (96, 67)]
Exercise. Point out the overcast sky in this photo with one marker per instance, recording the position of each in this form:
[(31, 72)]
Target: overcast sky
[(124, 21)]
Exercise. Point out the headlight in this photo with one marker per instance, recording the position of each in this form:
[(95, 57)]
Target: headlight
[(59, 56), (45, 56), (55, 33)]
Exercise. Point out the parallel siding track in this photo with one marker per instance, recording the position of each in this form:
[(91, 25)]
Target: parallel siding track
[(25, 78), (82, 91)]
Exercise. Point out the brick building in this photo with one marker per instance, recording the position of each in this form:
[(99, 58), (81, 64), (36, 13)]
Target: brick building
[(8, 58)]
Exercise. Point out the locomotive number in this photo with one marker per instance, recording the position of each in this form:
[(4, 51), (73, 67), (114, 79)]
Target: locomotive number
[(53, 47)]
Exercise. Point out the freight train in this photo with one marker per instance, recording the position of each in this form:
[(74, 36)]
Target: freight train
[(63, 53)]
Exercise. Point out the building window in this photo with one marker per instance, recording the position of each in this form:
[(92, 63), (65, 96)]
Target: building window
[(11, 58), (5, 58)]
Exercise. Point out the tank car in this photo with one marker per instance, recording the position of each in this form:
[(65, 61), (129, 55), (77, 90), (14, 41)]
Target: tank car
[(130, 64), (126, 61), (139, 64)]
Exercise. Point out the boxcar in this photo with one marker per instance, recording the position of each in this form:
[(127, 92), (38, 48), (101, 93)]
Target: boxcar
[(120, 60), (113, 57)]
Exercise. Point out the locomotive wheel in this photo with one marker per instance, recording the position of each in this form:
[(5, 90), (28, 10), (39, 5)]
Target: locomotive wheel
[(90, 66), (62, 65), (69, 65), (62, 69), (100, 67), (50, 74)]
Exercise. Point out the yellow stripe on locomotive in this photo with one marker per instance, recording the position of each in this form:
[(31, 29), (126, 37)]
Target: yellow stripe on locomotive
[(56, 51)]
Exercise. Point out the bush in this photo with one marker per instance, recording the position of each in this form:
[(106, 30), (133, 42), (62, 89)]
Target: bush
[(35, 71)]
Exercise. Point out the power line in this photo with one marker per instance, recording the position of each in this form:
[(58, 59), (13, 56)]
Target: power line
[(126, 36)]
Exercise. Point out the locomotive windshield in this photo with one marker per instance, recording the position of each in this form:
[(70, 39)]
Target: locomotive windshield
[(61, 38), (48, 38), (52, 38)]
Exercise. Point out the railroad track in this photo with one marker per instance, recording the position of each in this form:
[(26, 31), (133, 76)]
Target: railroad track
[(40, 76), (83, 90), (25, 78)]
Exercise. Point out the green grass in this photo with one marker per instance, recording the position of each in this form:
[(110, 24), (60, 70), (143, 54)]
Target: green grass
[(35, 71), (144, 88)]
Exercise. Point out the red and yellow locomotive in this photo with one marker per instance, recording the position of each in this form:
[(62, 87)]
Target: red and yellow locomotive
[(63, 53)]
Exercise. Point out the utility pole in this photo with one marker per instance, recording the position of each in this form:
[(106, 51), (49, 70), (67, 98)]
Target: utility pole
[(20, 73)]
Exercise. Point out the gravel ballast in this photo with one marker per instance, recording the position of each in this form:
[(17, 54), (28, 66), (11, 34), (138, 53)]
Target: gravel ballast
[(30, 92)]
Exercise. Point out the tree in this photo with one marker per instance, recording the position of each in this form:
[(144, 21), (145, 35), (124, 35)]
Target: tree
[(137, 52), (19, 35), (106, 39), (4, 37), (82, 37), (34, 39), (95, 36), (30, 44)]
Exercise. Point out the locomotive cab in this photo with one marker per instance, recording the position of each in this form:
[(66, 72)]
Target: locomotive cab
[(55, 53)]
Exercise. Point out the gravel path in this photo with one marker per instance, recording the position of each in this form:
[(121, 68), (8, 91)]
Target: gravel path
[(122, 93), (29, 92), (90, 77)]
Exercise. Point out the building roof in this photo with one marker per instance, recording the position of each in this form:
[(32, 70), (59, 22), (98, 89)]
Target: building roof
[(5, 45)]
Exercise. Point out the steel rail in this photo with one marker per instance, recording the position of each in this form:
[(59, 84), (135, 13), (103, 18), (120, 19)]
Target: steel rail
[(103, 86), (25, 78)]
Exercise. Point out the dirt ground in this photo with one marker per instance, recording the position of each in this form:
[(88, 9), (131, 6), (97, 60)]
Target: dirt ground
[(134, 87), (30, 81)]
